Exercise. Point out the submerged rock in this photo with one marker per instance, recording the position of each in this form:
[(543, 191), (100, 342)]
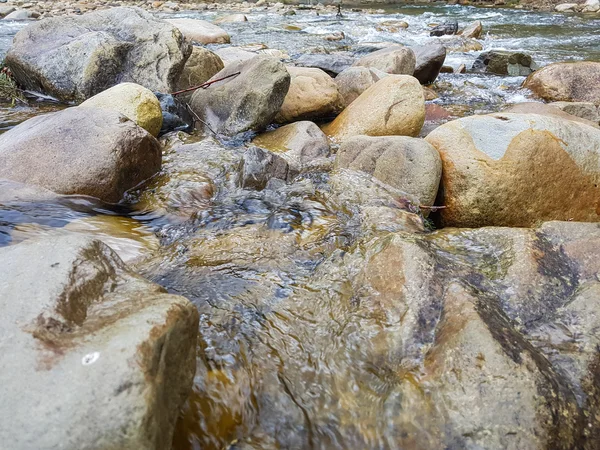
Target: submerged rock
[(393, 106), (89, 151), (408, 164), (104, 357), (176, 116), (394, 59), (73, 58), (568, 82), (312, 95), (135, 102), (248, 101), (518, 170), (259, 166)]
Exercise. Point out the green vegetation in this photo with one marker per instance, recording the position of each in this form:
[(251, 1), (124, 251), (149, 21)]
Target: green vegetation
[(9, 91)]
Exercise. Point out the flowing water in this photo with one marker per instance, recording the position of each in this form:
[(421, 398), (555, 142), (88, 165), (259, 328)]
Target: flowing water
[(288, 357)]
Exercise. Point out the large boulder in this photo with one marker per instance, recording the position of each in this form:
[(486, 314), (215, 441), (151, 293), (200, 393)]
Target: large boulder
[(502, 62), (517, 170), (408, 164), (201, 66), (312, 95), (393, 106), (248, 101), (355, 80), (333, 63), (584, 110), (302, 144), (429, 61), (133, 101), (104, 358), (75, 57), (88, 151), (567, 82), (395, 59), (200, 31)]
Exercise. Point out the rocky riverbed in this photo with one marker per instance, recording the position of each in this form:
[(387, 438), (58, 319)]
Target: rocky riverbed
[(369, 228)]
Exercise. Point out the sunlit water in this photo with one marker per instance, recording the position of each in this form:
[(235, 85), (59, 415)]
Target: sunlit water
[(286, 357)]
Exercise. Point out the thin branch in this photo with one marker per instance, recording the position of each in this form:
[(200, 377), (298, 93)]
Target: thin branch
[(205, 85)]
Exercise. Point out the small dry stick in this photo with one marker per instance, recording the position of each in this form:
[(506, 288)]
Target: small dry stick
[(205, 85), (199, 119)]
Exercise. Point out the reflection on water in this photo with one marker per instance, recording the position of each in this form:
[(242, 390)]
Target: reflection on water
[(288, 354)]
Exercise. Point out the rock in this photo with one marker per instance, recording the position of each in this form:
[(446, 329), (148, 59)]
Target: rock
[(176, 116), (201, 66), (591, 6), (460, 44), (312, 95), (511, 169), (564, 7), (21, 14), (231, 18), (504, 63), (245, 102), (429, 61), (408, 164), (567, 82), (335, 36), (355, 80), (332, 63), (274, 53), (392, 26), (435, 113), (259, 166), (473, 30), (97, 152), (201, 31), (447, 69), (302, 144), (396, 60), (5, 10), (429, 93), (393, 106), (78, 317), (585, 110), (73, 58), (231, 55), (546, 110), (446, 28), (135, 102), (461, 69)]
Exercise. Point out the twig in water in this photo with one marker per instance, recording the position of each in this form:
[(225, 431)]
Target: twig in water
[(204, 85), (196, 117)]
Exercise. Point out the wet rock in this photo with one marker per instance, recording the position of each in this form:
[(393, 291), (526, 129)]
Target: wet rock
[(332, 63), (355, 80), (392, 26), (517, 170), (434, 113), (396, 60), (231, 18), (584, 110), (248, 101), (429, 93), (259, 166), (135, 102), (89, 321), (200, 31), (176, 116), (567, 82), (5, 10), (473, 30), (73, 58), (504, 63), (564, 7), (447, 28), (461, 69), (200, 67), (429, 61), (460, 44), (97, 152), (335, 36), (302, 144), (393, 106), (408, 164), (312, 95)]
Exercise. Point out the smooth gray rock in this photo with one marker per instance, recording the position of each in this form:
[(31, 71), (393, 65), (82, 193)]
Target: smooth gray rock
[(92, 356), (73, 58), (88, 151), (248, 101), (429, 61), (332, 63)]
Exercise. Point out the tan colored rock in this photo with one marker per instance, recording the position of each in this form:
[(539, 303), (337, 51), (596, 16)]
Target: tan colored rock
[(459, 44), (511, 169), (201, 31), (584, 110), (396, 59), (301, 144), (393, 106), (133, 101), (233, 55), (200, 67), (312, 94), (355, 80), (473, 30), (569, 82), (429, 93), (392, 26), (408, 164), (231, 18), (548, 109)]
